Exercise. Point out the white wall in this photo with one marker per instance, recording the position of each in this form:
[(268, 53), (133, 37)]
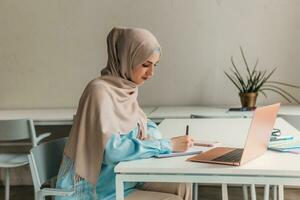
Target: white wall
[(49, 50)]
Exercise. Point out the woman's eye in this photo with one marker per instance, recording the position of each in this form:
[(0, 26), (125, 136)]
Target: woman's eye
[(145, 65), (156, 64)]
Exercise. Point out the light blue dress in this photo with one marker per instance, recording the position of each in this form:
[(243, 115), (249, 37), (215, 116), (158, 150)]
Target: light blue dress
[(118, 148)]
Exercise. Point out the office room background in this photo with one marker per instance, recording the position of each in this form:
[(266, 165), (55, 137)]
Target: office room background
[(49, 50)]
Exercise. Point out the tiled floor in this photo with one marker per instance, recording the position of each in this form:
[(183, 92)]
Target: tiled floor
[(205, 193)]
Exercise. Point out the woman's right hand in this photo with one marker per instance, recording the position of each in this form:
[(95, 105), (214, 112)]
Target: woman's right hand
[(181, 143)]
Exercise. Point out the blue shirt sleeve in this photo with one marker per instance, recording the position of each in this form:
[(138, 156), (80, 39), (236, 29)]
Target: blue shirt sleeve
[(128, 147), (153, 131)]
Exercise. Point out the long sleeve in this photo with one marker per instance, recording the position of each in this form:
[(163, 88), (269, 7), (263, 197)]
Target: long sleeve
[(128, 147), (153, 131), (118, 148)]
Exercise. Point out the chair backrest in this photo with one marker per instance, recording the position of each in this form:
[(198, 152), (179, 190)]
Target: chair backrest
[(294, 120), (45, 160), (17, 129)]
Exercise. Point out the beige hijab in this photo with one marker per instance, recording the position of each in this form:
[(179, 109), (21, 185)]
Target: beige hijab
[(109, 103)]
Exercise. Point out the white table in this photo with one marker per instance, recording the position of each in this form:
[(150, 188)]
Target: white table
[(63, 116), (180, 112), (289, 110), (271, 168), (41, 116)]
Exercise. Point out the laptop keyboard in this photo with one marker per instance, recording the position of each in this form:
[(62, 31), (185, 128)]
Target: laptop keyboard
[(232, 156)]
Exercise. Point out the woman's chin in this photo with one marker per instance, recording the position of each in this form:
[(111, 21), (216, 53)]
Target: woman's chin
[(141, 82)]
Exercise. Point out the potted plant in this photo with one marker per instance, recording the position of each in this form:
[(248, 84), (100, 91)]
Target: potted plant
[(256, 81)]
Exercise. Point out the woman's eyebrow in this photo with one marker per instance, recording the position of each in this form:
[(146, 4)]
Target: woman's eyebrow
[(149, 61)]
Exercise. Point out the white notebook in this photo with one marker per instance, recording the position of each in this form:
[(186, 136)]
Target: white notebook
[(193, 150)]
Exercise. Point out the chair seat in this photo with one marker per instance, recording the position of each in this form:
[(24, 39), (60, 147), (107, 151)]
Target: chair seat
[(57, 192), (9, 160)]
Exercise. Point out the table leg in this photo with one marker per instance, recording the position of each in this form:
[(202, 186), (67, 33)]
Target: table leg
[(119, 188), (195, 191), (275, 192), (245, 192), (253, 192), (224, 191), (267, 192), (7, 184), (280, 192)]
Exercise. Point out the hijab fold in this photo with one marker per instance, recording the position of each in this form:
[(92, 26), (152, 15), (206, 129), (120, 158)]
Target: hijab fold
[(109, 103)]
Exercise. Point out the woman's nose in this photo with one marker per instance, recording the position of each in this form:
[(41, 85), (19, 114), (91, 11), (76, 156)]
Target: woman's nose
[(150, 71)]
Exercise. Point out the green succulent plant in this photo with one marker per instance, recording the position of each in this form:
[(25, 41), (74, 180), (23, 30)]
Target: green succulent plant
[(258, 80)]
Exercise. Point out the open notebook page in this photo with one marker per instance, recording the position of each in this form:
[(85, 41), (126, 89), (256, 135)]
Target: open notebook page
[(193, 150)]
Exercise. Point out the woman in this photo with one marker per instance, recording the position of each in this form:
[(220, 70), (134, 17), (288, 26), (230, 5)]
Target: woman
[(110, 127)]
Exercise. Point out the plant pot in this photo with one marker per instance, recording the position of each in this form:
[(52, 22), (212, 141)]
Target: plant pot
[(248, 99)]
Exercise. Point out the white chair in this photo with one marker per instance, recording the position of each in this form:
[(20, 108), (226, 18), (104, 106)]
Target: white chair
[(12, 131), (44, 161)]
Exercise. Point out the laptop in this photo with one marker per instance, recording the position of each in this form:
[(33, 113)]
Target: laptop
[(256, 144)]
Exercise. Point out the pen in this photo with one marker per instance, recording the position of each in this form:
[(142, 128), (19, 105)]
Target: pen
[(203, 144), (187, 130)]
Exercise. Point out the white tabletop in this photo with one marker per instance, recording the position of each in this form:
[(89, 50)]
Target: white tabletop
[(41, 116), (62, 116), (148, 109), (173, 112), (231, 132), (289, 110)]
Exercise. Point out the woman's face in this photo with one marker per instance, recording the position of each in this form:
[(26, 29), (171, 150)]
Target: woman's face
[(145, 71)]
